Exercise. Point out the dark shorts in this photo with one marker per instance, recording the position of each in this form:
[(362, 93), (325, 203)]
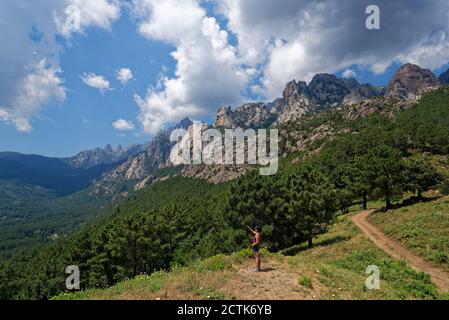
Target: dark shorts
[(255, 249)]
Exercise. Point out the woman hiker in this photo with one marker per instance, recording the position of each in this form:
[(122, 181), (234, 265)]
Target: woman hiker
[(257, 239)]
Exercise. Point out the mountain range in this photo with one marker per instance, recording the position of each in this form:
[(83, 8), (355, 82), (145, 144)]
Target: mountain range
[(106, 169)]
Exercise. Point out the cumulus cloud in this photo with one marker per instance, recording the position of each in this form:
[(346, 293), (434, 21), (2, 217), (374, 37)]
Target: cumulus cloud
[(123, 125), (208, 71), (77, 15), (30, 50), (124, 75), (42, 86), (97, 82), (297, 39), (349, 73), (277, 42)]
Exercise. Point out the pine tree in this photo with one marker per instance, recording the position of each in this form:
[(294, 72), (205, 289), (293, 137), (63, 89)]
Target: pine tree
[(312, 202), (262, 200), (386, 172), (420, 176)]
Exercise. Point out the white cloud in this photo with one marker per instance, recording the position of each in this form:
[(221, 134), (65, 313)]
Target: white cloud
[(124, 75), (97, 82), (40, 87), (299, 38), (208, 72), (23, 95), (123, 125), (349, 73), (77, 15)]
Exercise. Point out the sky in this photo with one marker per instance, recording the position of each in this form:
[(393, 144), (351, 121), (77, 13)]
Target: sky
[(80, 74)]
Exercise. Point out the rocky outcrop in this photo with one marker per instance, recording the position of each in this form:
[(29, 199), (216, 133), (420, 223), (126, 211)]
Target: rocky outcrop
[(91, 158), (350, 83), (326, 91), (141, 167), (410, 82), (444, 78), (362, 92), (299, 102), (249, 115), (296, 100)]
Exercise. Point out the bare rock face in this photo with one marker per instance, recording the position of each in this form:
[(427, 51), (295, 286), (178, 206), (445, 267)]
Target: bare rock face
[(225, 118), (362, 92), (350, 83), (296, 91), (444, 78), (296, 100), (410, 82), (142, 166), (91, 158), (326, 91), (249, 115), (215, 173)]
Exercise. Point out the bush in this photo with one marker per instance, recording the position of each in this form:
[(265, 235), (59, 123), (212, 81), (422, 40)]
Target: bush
[(305, 282), (216, 263), (444, 189)]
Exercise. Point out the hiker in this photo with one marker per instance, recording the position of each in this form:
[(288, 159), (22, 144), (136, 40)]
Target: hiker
[(256, 245)]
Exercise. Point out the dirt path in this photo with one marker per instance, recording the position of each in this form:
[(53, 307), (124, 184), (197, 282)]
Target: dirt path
[(277, 281), (397, 251)]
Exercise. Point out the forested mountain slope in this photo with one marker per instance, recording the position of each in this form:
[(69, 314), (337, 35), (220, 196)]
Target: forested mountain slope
[(180, 219)]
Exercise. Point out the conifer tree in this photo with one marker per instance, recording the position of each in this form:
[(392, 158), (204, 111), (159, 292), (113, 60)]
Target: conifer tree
[(312, 202)]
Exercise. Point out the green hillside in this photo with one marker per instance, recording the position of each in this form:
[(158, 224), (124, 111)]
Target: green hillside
[(180, 220), (423, 228), (333, 269)]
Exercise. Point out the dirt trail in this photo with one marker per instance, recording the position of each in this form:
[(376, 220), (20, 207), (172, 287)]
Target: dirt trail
[(277, 281), (397, 251)]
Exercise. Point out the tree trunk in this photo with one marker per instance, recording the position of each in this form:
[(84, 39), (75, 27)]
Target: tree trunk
[(388, 201), (310, 242), (420, 194), (310, 227), (365, 200)]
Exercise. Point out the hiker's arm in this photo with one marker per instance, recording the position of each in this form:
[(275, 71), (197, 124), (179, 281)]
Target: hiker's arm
[(251, 230)]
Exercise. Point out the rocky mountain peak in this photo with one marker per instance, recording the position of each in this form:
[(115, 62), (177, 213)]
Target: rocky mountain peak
[(327, 90), (184, 123), (410, 82), (362, 92), (107, 155), (295, 91), (225, 118), (350, 83), (249, 115)]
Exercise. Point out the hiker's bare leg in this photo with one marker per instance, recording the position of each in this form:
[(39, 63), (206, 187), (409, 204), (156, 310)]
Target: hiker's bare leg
[(258, 260)]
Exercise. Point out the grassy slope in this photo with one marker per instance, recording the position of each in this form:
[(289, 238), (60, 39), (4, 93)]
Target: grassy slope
[(423, 228), (333, 269)]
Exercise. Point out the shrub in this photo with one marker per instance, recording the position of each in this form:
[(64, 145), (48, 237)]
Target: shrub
[(305, 281)]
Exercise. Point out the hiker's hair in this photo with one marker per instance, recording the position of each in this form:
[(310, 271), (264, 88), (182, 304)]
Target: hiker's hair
[(258, 228)]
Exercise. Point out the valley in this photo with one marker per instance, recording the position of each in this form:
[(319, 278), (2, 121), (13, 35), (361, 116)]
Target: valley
[(128, 213)]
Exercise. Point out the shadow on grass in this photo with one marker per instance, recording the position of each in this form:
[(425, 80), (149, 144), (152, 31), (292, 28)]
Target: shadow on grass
[(408, 202), (292, 251)]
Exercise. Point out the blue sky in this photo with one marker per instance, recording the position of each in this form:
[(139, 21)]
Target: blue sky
[(227, 52)]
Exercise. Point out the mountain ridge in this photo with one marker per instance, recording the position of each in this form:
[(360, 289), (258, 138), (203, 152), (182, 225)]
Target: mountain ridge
[(139, 162)]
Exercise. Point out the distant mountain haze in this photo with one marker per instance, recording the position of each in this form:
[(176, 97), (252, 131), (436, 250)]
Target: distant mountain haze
[(50, 173)]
